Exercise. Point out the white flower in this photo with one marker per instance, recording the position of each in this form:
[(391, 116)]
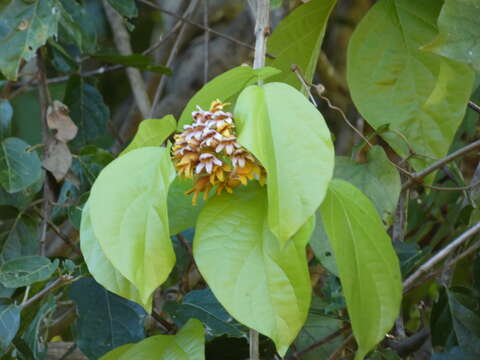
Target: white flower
[(229, 144), (207, 161)]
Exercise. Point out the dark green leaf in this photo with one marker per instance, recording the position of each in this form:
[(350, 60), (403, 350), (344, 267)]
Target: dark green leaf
[(19, 168), (105, 320), (138, 61), (454, 354), (24, 27), (6, 114), (26, 270), (77, 26), (459, 38), (297, 41), (203, 305), (126, 8), (22, 239), (9, 322), (35, 335), (321, 246), (87, 110), (22, 198), (377, 178)]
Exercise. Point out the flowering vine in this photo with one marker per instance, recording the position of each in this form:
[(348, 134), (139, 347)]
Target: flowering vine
[(208, 152)]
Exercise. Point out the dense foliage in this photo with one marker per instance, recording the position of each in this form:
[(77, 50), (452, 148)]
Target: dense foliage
[(325, 200)]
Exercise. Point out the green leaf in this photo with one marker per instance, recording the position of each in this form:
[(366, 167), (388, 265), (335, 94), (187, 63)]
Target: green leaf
[(77, 25), (26, 270), (125, 8), (101, 268), (458, 38), (19, 168), (142, 62), (263, 285), (22, 198), (87, 110), (275, 4), (22, 239), (105, 320), (9, 322), (298, 155), (6, 114), (321, 246), (318, 326), (368, 267), (187, 344), (225, 87), (36, 334), (128, 211), (377, 178), (297, 41), (152, 132), (182, 214), (422, 96), (202, 305), (25, 26)]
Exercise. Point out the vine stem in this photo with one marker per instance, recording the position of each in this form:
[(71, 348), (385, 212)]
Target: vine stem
[(262, 30)]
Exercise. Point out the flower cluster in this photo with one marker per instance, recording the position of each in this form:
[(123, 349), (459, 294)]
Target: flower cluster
[(208, 152)]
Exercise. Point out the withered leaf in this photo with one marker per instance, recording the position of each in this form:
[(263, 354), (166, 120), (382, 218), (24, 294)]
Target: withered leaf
[(58, 118), (58, 159)]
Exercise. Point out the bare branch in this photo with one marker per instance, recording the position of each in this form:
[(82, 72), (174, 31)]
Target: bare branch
[(62, 280), (474, 106), (122, 41), (442, 254)]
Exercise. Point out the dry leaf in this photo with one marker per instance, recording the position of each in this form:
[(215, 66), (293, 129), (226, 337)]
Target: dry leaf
[(58, 119), (58, 159)]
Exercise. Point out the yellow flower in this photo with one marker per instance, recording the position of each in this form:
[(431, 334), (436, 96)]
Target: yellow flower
[(187, 163), (227, 185), (218, 173), (201, 185)]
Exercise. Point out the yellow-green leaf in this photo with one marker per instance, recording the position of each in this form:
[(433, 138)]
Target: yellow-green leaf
[(263, 285), (128, 211), (367, 264), (101, 268), (290, 138), (420, 95), (152, 132)]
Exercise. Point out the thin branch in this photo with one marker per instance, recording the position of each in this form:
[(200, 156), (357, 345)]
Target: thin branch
[(171, 57), (45, 100), (62, 280), (336, 354), (419, 176), (210, 30), (474, 106), (206, 40), (121, 38), (442, 254), (254, 345), (319, 343)]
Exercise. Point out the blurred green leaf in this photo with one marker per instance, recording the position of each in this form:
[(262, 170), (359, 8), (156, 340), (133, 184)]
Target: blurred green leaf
[(275, 4), (297, 155), (128, 211), (24, 27), (9, 322), (26, 270), (297, 41), (87, 110), (367, 264), (22, 239), (36, 334), (6, 114), (152, 132), (187, 344), (262, 284), (126, 8), (105, 320), (19, 168), (458, 37), (224, 87), (422, 96), (202, 305), (77, 26), (138, 61), (377, 178)]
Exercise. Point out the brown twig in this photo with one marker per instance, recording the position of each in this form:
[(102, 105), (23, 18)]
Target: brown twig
[(62, 280), (474, 106), (420, 175), (121, 38), (210, 30), (173, 53)]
